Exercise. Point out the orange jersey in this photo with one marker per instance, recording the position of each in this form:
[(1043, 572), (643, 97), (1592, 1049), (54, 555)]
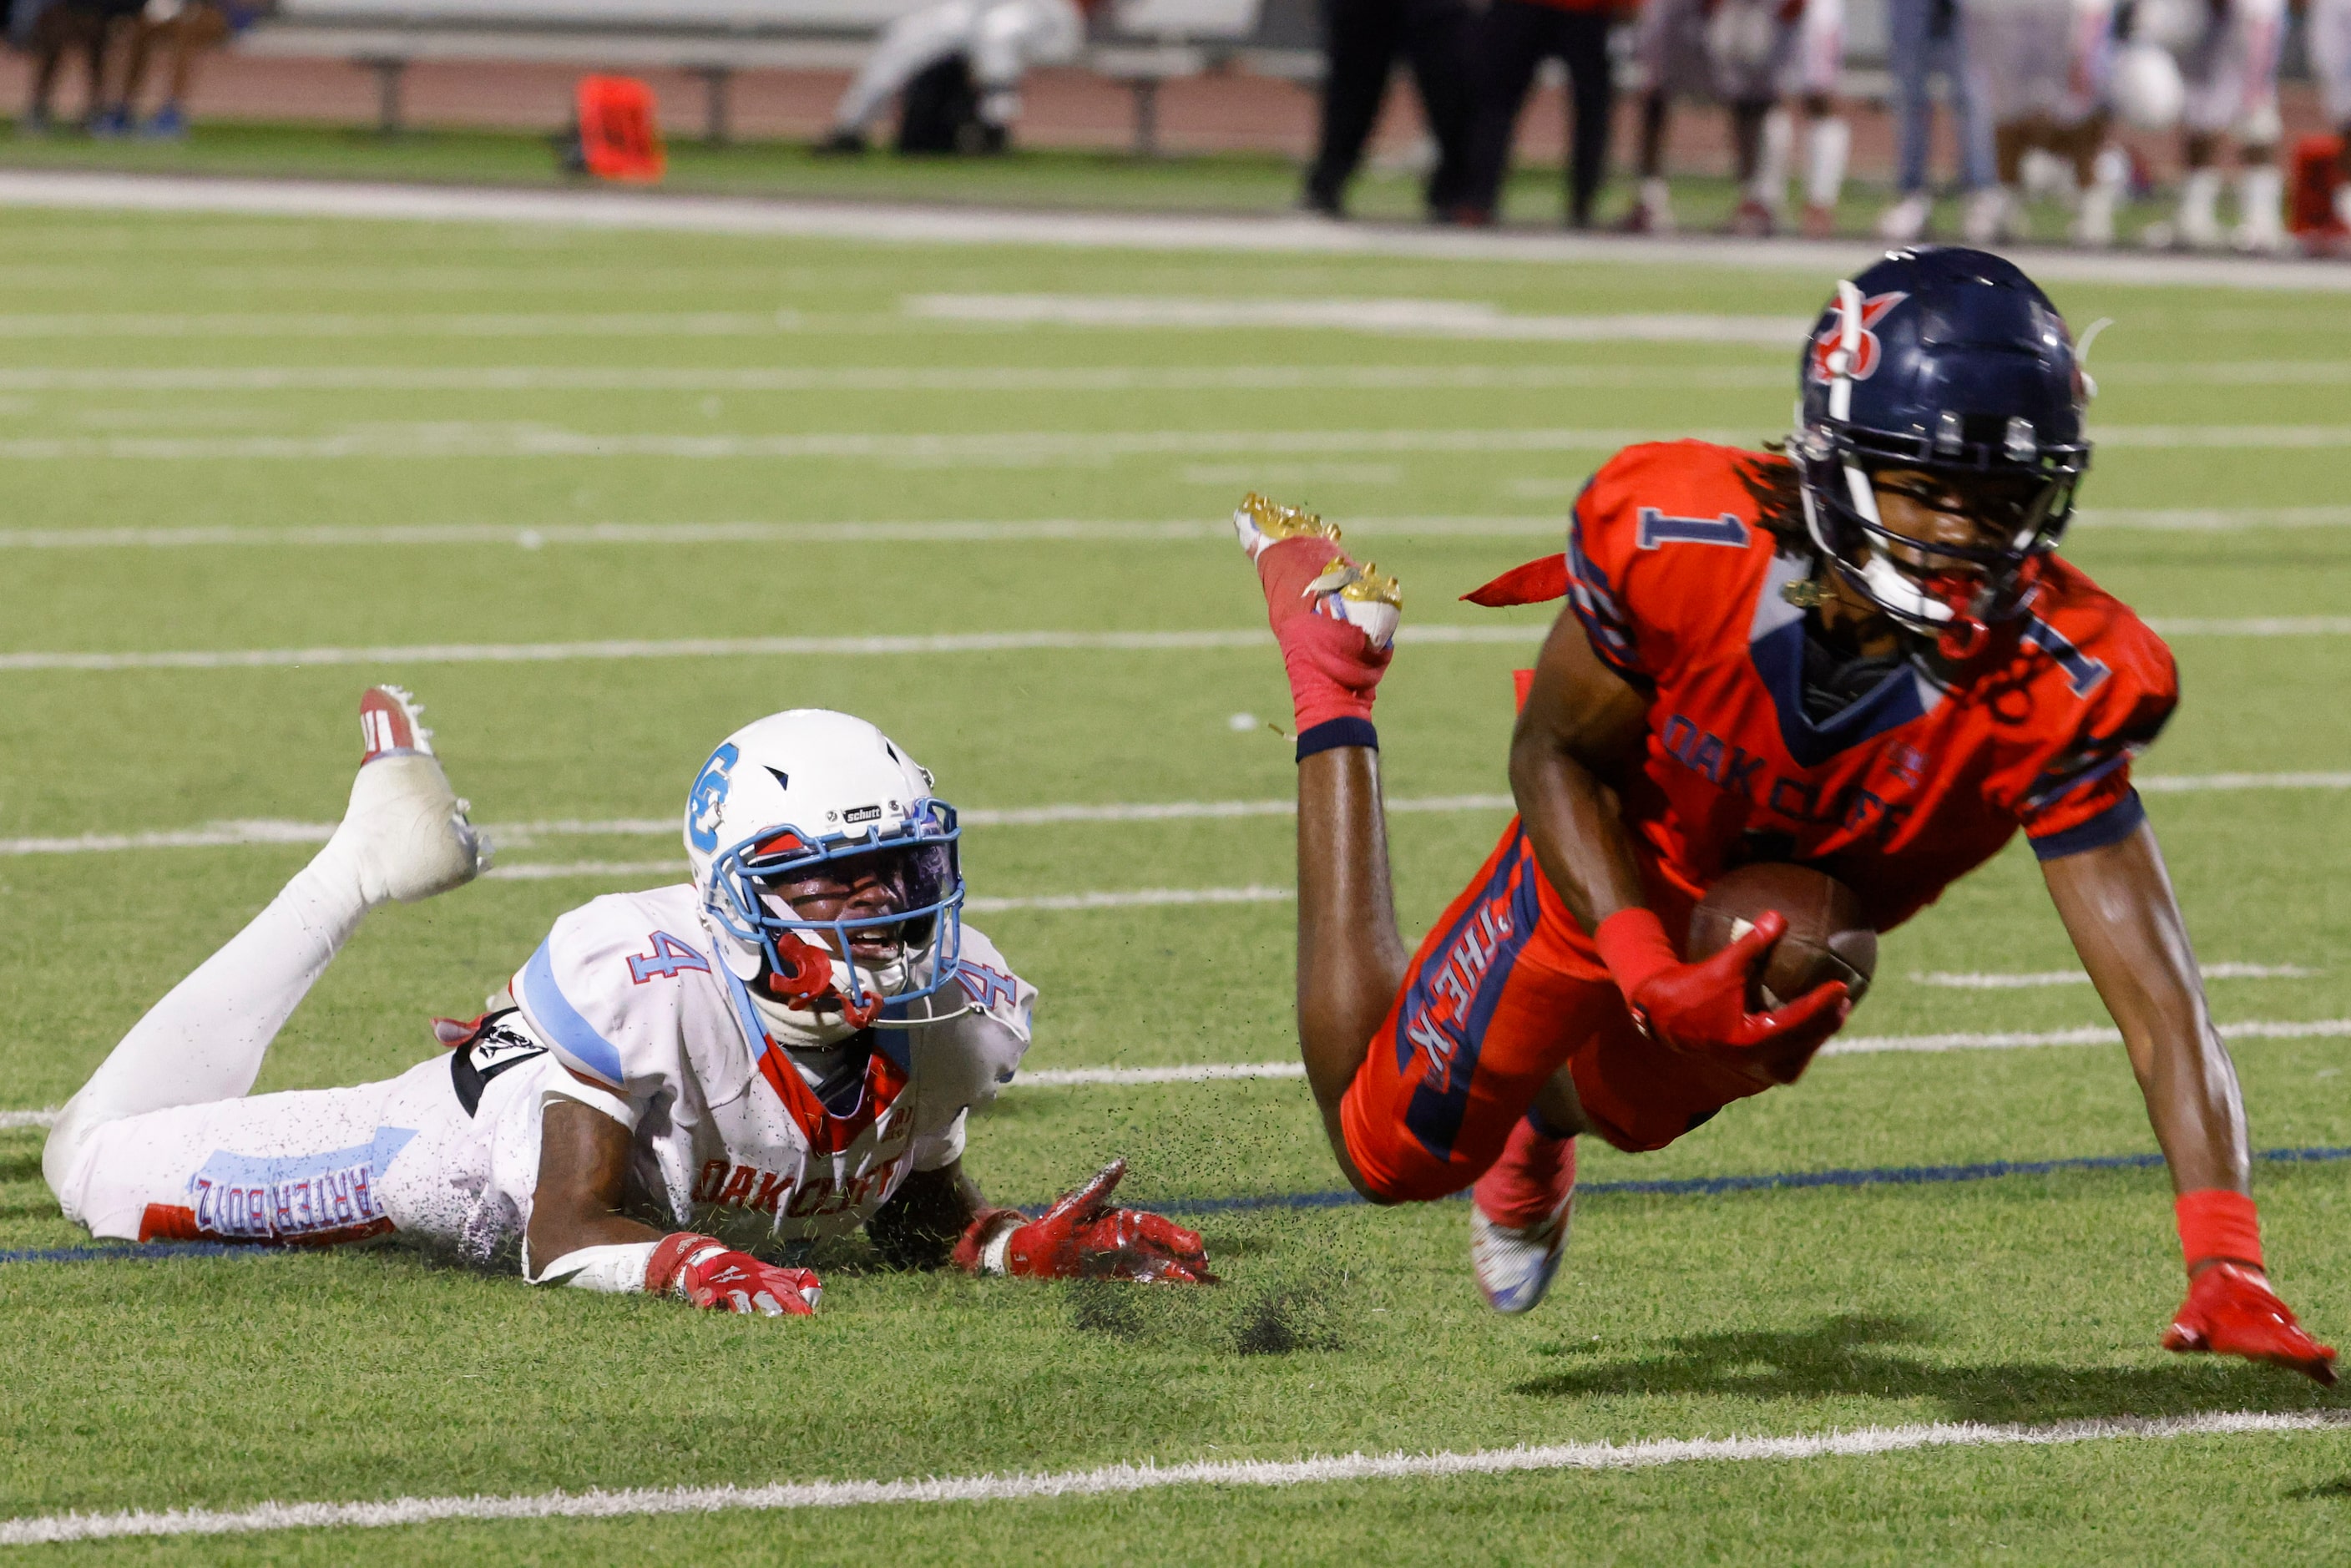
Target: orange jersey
[(1900, 792)]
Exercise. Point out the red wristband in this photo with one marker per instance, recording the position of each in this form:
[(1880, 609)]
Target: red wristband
[(1633, 945), (2216, 1223)]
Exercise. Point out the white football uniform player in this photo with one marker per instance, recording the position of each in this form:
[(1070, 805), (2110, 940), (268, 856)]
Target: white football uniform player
[(792, 1114), (1001, 40)]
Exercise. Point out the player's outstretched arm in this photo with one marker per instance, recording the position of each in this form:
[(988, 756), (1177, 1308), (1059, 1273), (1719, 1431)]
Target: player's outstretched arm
[(584, 1240), (1582, 723), (1082, 1237), (2118, 907)]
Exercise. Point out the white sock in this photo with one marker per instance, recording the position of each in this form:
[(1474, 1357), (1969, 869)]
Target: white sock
[(1656, 196), (2200, 204), (2343, 204), (2261, 200), (1770, 186), (1827, 147), (205, 1040)]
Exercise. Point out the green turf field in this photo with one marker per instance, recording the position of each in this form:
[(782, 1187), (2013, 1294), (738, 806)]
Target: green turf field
[(193, 412)]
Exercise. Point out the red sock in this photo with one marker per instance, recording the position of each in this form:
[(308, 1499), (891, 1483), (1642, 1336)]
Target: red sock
[(1334, 671), (1522, 1187)]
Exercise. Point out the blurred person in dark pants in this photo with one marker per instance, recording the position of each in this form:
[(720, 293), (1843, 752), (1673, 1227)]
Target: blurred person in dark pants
[(1514, 38), (1361, 39)]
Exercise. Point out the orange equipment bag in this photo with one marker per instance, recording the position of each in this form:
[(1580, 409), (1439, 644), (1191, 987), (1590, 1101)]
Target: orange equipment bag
[(618, 138)]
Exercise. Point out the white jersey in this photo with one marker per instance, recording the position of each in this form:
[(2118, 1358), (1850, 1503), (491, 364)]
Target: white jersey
[(621, 1007), (2330, 57), (732, 1131)]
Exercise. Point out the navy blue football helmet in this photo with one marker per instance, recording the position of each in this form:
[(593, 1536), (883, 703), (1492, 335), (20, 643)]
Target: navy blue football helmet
[(1949, 362)]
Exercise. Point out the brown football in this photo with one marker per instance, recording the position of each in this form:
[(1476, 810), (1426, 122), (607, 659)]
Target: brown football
[(1828, 936)]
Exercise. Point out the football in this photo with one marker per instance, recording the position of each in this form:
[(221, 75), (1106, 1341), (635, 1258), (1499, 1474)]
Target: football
[(1828, 939)]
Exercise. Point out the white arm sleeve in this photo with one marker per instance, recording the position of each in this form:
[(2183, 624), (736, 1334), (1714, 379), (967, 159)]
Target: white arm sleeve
[(617, 1269)]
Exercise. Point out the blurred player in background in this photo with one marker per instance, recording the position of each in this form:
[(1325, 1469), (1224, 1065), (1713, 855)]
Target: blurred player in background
[(785, 1048), (2046, 65), (959, 63), (1862, 656), (1749, 55), (1928, 39), (1512, 40), (2330, 61), (1362, 41), (182, 31), (2228, 53)]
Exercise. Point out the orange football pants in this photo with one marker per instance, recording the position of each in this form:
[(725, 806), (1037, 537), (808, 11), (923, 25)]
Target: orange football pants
[(1504, 989)]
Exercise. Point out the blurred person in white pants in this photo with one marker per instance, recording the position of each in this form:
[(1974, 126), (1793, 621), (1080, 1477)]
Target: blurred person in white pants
[(2228, 53), (998, 40), (1751, 56), (2045, 69)]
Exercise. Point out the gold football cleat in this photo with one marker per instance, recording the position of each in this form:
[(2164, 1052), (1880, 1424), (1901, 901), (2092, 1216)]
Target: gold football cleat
[(1259, 522), (1359, 584)]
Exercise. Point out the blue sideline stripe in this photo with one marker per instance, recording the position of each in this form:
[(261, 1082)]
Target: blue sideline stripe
[(1711, 1186), (1685, 1187), (129, 1254)]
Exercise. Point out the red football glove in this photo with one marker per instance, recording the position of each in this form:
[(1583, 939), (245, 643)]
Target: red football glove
[(2231, 1311), (1081, 1238), (719, 1279), (1702, 1007)]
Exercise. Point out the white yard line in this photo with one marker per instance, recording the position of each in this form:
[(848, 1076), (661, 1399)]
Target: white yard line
[(1864, 1045), (1122, 1480), (1048, 379), (1384, 318), (454, 439), (1972, 981), (212, 835), (1195, 1072), (888, 223), (527, 536), (902, 646), (316, 324), (12, 1120)]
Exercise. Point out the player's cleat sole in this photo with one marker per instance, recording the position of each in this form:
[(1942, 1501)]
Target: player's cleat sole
[(405, 828), (1514, 1260)]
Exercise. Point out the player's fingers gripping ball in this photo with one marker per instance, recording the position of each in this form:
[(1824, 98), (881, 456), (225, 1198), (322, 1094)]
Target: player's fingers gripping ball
[(1702, 1007), (1081, 1238), (717, 1278), (2231, 1311)]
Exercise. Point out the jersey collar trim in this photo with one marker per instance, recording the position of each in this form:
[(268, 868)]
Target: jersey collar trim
[(826, 1132), (1776, 645)]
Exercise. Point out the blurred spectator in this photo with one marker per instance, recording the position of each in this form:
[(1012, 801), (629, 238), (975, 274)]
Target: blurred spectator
[(1747, 55), (1361, 41), (2044, 71), (2228, 54), (1930, 37), (48, 30), (959, 65), (183, 29), (1509, 43), (2330, 61)]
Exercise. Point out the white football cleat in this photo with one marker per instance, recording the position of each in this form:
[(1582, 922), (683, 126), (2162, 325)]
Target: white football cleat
[(1904, 221), (405, 828), (1515, 1263), (1515, 1267)]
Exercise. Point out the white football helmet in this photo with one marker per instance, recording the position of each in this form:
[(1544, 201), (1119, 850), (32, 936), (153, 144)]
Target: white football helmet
[(796, 792)]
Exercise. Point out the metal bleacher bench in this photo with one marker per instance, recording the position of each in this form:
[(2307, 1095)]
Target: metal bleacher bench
[(1138, 43)]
